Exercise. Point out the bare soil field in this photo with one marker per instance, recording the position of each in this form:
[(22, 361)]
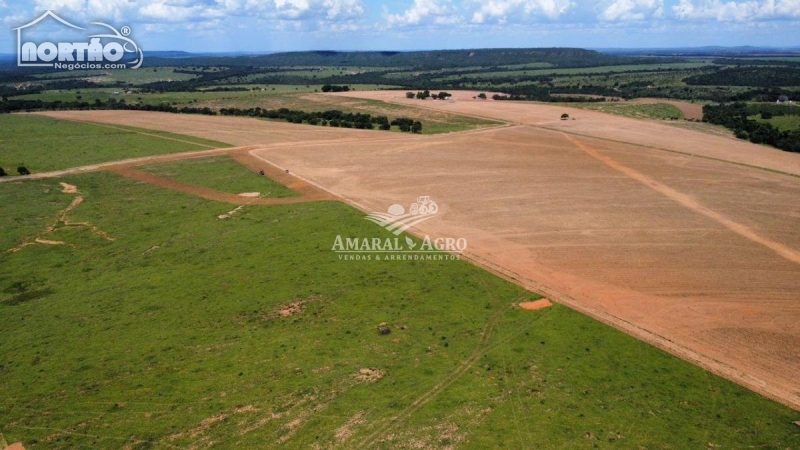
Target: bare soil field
[(232, 130), (605, 126), (691, 253)]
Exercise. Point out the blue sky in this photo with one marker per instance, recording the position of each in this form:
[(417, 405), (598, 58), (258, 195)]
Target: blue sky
[(282, 25)]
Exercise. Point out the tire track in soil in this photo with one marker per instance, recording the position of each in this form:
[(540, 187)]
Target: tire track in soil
[(425, 398), (781, 250)]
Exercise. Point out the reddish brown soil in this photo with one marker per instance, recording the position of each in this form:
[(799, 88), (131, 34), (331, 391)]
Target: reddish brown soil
[(537, 305), (605, 126), (677, 237)]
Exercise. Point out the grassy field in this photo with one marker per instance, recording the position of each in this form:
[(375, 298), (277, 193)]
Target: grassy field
[(220, 173), (43, 144), (178, 333), (783, 123), (655, 111)]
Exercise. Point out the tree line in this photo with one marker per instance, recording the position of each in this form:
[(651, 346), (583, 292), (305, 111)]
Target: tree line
[(749, 76), (332, 118), (736, 117)]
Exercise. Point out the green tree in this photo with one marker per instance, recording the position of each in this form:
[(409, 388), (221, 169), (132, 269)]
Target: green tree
[(565, 116), (482, 96), (410, 95), (416, 127)]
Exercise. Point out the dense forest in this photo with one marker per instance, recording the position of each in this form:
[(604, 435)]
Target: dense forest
[(737, 117), (749, 76)]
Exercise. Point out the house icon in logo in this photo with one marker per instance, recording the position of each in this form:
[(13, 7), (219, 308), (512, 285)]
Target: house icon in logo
[(29, 48), (104, 50)]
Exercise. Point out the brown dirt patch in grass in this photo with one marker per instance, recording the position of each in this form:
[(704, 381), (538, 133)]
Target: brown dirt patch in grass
[(346, 431), (537, 305), (292, 309), (369, 375), (68, 188)]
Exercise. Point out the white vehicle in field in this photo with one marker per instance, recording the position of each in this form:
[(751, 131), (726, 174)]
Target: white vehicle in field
[(424, 207)]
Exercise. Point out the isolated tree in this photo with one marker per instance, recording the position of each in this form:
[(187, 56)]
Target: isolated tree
[(565, 116), (410, 95), (22, 170), (3, 172), (482, 96)]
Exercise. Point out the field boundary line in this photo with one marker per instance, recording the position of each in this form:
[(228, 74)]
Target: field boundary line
[(718, 368)]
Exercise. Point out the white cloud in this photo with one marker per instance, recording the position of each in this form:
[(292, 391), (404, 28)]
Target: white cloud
[(342, 9), (3, 4), (737, 11), (163, 12), (632, 10), (312, 13), (504, 11), (423, 12), (60, 5)]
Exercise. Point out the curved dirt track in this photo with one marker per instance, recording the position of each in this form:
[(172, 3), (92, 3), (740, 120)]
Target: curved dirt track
[(688, 253)]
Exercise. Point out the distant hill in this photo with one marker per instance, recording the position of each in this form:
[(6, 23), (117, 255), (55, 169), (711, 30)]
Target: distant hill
[(424, 60), (705, 51)]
